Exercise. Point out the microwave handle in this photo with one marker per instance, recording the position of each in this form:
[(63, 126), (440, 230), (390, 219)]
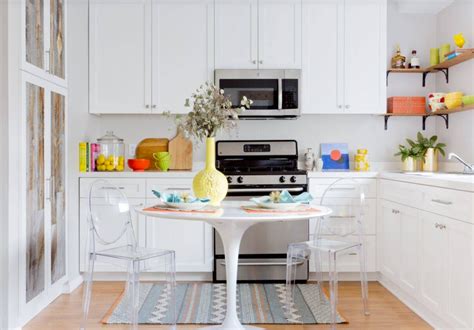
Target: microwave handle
[(280, 94)]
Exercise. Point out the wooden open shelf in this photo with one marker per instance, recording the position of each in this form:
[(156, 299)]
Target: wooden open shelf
[(443, 114), (466, 55)]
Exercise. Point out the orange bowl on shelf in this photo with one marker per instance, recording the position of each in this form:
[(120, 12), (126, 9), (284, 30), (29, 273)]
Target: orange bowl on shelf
[(139, 164)]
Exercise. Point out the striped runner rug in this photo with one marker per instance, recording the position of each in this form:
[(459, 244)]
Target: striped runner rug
[(205, 303)]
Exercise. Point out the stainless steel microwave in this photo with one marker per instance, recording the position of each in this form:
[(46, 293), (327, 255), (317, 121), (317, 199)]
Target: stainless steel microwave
[(275, 93)]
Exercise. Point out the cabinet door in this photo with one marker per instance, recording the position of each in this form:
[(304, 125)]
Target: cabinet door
[(322, 59), (459, 267), (390, 240), (433, 251), (119, 56), (84, 239), (279, 34), (236, 34), (365, 35), (34, 33), (57, 46), (409, 248), (182, 53)]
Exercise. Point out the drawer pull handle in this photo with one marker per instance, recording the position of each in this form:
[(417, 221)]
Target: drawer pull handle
[(264, 263), (112, 188), (353, 253), (342, 188), (342, 216), (395, 211), (440, 226), (439, 201), (182, 188)]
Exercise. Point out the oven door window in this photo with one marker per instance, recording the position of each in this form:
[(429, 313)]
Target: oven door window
[(290, 94), (263, 92)]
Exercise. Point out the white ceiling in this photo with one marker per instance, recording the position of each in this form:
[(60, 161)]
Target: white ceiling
[(422, 6)]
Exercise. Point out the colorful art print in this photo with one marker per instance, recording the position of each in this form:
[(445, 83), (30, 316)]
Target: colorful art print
[(335, 156)]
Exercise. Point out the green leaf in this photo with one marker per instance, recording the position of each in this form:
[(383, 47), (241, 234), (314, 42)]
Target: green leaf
[(441, 151), (411, 142), (419, 137), (433, 139)]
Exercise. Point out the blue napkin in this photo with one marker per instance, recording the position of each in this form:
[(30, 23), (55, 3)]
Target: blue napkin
[(177, 198), (285, 197)]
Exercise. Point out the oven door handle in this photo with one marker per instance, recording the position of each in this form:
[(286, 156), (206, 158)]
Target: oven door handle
[(263, 190), (280, 94), (264, 263)]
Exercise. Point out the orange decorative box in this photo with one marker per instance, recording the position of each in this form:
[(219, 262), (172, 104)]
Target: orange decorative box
[(406, 104)]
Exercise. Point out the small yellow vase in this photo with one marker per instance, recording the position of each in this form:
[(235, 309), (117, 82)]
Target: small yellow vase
[(210, 182)]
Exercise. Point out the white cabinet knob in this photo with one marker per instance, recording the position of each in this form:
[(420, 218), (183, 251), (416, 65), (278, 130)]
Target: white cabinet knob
[(153, 106), (261, 61), (147, 106), (254, 62), (347, 106)]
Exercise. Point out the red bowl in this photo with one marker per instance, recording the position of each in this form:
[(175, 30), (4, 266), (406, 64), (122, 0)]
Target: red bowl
[(138, 165)]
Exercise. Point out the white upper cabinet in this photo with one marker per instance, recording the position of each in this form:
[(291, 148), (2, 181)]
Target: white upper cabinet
[(182, 51), (258, 34), (321, 43), (236, 34), (344, 52), (119, 56), (279, 34), (365, 53)]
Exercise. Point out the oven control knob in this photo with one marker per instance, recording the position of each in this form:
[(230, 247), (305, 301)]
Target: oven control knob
[(229, 179), (293, 179), (240, 179), (282, 179)]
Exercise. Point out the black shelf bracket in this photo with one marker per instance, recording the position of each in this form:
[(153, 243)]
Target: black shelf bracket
[(445, 71), (423, 120), (386, 78)]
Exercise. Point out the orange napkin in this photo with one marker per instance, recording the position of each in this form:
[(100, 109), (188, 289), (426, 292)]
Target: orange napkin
[(165, 210), (294, 211)]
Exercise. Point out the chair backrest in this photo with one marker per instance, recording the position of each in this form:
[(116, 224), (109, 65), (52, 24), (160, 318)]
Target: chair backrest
[(346, 198), (109, 215)]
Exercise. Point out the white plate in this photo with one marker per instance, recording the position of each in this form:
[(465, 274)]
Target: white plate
[(187, 206), (278, 206)]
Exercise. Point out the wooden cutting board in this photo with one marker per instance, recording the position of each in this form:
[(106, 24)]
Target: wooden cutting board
[(181, 152), (147, 147)]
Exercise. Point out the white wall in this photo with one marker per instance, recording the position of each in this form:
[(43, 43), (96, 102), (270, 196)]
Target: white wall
[(80, 125), (3, 165), (458, 17)]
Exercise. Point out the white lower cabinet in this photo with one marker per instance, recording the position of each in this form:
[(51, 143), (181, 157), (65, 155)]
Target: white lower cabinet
[(428, 256), (192, 241)]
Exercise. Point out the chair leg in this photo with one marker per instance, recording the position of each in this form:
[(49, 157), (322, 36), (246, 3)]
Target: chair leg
[(291, 267), (171, 272), (333, 287), (135, 293), (363, 279), (319, 274), (87, 291)]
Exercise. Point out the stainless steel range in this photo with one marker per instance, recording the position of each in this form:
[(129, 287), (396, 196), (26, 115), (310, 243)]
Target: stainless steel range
[(256, 168)]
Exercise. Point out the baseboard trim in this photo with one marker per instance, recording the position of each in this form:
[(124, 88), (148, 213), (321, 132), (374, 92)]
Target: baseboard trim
[(423, 312), (73, 284)]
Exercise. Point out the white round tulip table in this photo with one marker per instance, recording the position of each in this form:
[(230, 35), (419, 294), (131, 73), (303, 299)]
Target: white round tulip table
[(231, 221)]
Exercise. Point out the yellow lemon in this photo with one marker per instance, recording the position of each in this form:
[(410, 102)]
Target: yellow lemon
[(107, 163), (100, 160), (111, 158), (110, 168), (119, 168)]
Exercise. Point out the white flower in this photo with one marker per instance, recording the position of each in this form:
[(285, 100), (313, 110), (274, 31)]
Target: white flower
[(221, 92)]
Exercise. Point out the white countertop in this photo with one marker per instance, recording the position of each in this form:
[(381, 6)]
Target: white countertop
[(342, 174), (443, 180), (144, 175)]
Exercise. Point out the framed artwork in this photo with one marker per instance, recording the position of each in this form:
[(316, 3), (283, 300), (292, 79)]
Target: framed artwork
[(335, 156)]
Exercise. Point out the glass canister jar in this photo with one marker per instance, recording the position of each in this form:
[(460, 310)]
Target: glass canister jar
[(361, 160), (109, 155)]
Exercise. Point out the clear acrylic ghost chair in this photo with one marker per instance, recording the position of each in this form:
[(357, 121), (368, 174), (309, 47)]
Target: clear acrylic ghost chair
[(333, 236), (110, 226)]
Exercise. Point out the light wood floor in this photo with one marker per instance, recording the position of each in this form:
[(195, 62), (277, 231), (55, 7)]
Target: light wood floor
[(387, 312)]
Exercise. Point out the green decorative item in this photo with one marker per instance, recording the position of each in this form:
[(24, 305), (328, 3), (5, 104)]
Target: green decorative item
[(212, 111), (443, 50), (430, 150), (434, 56), (163, 160), (410, 157)]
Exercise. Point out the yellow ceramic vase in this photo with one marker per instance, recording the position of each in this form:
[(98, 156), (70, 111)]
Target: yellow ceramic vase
[(430, 162), (210, 182)]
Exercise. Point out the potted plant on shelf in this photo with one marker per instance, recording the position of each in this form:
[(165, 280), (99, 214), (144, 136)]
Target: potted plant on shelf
[(430, 151), (410, 156), (211, 112)]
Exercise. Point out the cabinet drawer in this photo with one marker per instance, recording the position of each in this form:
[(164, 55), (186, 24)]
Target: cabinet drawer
[(400, 192), (168, 184), (451, 203), (317, 187), (132, 188), (350, 262)]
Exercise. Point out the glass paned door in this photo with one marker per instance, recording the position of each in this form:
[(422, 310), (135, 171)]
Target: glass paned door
[(263, 92), (35, 192), (57, 48), (34, 32), (58, 187)]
